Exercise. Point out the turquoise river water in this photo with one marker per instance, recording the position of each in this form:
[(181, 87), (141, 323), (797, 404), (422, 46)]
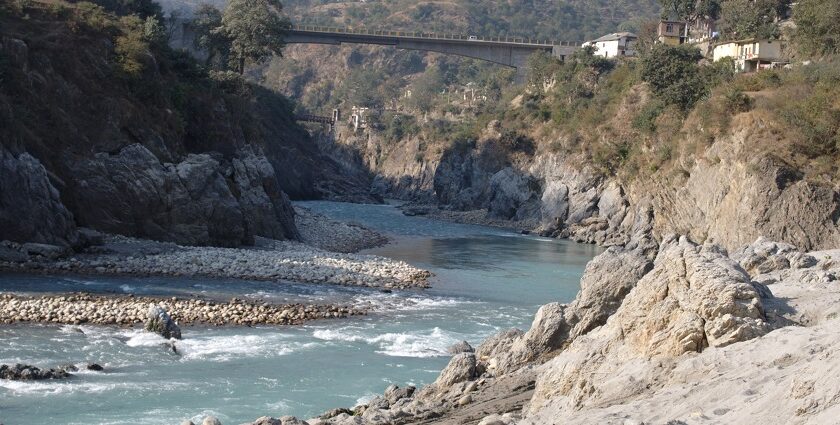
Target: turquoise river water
[(486, 279)]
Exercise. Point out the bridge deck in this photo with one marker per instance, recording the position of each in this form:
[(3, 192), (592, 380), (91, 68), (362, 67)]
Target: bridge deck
[(382, 35)]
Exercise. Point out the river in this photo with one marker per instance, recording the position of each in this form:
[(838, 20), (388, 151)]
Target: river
[(486, 279)]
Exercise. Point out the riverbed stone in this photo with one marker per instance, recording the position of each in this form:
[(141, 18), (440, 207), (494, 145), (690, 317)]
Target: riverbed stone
[(211, 420), (394, 393), (460, 347), (460, 368), (24, 372), (159, 322)]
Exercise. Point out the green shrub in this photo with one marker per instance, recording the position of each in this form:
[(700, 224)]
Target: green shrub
[(92, 17), (512, 141), (131, 48), (673, 75), (817, 27), (230, 82), (816, 117), (758, 81), (735, 101), (399, 126), (645, 120)]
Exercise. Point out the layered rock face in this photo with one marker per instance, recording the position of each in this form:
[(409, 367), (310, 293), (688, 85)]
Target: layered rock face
[(30, 206), (202, 200), (731, 193)]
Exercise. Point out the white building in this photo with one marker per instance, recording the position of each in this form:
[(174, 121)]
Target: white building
[(614, 45), (751, 54)]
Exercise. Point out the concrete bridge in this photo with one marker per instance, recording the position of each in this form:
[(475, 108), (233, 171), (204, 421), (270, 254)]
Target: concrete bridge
[(320, 119), (507, 51)]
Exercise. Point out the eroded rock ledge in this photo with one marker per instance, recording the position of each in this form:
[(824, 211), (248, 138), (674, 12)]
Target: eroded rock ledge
[(659, 332)]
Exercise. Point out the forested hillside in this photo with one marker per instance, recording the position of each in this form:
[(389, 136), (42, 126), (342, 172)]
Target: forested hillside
[(568, 20)]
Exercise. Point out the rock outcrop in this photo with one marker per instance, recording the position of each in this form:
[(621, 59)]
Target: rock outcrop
[(608, 278), (22, 372), (658, 334), (176, 157), (159, 322), (30, 207), (694, 297), (765, 256), (202, 200)]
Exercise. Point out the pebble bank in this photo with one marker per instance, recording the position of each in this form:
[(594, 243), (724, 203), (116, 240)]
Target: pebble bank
[(129, 310)]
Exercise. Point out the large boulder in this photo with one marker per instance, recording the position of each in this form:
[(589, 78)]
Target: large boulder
[(460, 347), (267, 209), (159, 322), (30, 207), (608, 278), (461, 368)]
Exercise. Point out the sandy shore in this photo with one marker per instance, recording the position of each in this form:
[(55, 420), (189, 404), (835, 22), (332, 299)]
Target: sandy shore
[(82, 308)]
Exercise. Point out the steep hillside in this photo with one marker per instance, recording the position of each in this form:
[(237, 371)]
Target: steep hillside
[(323, 77), (108, 128), (570, 20), (597, 156)]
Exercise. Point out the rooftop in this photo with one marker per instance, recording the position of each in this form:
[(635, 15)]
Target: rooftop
[(615, 36)]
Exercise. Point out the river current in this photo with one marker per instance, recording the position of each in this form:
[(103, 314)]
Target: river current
[(486, 280)]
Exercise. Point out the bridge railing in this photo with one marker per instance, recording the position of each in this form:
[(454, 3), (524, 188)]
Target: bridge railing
[(428, 35)]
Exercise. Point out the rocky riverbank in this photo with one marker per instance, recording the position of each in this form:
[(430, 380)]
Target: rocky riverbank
[(79, 309), (325, 233), (478, 217), (269, 260), (669, 331)]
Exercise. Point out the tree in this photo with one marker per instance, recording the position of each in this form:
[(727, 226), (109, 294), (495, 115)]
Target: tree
[(425, 89), (751, 18), (256, 29), (141, 8), (541, 69), (690, 10), (673, 74), (154, 32), (817, 27), (210, 36)]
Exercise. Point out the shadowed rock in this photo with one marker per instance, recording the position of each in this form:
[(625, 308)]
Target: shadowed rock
[(159, 322)]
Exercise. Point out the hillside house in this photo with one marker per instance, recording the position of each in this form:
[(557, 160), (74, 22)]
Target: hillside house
[(750, 54), (614, 45), (359, 117), (671, 33), (702, 29)]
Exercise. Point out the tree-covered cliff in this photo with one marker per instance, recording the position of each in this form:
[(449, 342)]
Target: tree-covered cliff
[(104, 126)]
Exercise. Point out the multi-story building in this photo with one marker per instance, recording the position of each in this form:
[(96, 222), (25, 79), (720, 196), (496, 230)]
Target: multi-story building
[(751, 54)]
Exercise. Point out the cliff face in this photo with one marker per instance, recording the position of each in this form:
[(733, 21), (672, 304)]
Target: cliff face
[(730, 193), (31, 209), (169, 154)]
